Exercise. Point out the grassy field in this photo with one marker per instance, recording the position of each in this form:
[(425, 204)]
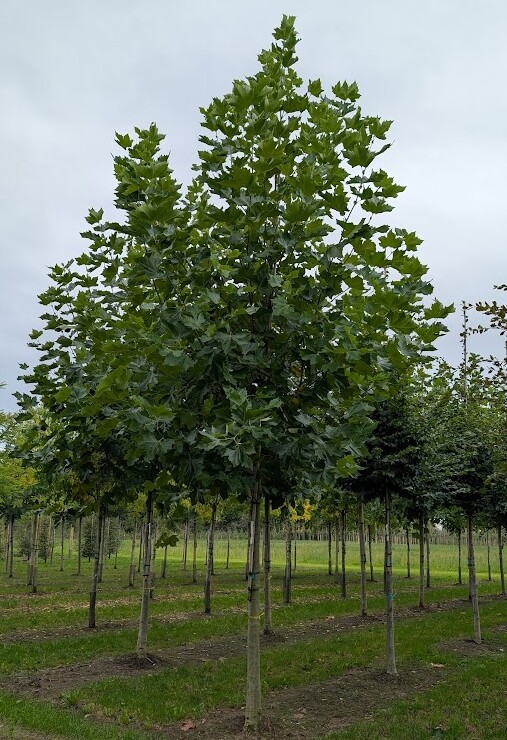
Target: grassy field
[(322, 673)]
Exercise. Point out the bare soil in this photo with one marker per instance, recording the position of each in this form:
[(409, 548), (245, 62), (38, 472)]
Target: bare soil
[(470, 649)]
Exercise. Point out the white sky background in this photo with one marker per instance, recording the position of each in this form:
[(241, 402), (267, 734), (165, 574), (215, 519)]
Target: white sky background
[(71, 73)]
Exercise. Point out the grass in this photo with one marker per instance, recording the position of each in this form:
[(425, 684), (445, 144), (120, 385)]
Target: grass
[(192, 691)]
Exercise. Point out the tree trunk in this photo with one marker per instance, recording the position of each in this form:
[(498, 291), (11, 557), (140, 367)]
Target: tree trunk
[(209, 561), (421, 562), (194, 553), (473, 583), (268, 622), (141, 540), (253, 690), (102, 548), (343, 517), (329, 550), (71, 541), (62, 536), (35, 555), (460, 575), (407, 534), (288, 560), (11, 548), (185, 544), (372, 577), (142, 635), (29, 573), (362, 558), (428, 577), (295, 540), (336, 553), (95, 576), (7, 543), (500, 560), (388, 569), (164, 563), (79, 544), (228, 549), (489, 555), (52, 534), (132, 567)]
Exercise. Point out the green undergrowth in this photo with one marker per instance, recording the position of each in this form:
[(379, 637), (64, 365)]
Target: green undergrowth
[(194, 691)]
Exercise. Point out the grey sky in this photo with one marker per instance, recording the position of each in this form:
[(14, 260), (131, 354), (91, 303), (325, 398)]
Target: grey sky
[(74, 72)]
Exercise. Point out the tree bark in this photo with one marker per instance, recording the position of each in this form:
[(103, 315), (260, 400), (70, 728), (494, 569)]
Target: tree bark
[(141, 540), (79, 544), (329, 550), (11, 547), (95, 576), (343, 517), (29, 574), (35, 555), (209, 561), (489, 555), (421, 562), (288, 560), (164, 563), (62, 536), (500, 560), (428, 576), (253, 691), (407, 534), (460, 575), (388, 569), (102, 548), (185, 544), (336, 553), (268, 621), (194, 549), (362, 558), (473, 583), (142, 635)]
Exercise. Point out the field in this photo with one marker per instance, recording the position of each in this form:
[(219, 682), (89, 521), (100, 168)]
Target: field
[(322, 671)]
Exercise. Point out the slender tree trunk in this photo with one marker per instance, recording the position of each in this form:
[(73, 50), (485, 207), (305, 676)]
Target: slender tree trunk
[(428, 576), (102, 548), (228, 549), (343, 517), (421, 562), (288, 561), (473, 583), (460, 575), (35, 555), (11, 548), (95, 576), (489, 555), (329, 550), (142, 635), (52, 535), (336, 553), (7, 543), (29, 574), (92, 534), (268, 621), (194, 549), (362, 558), (79, 544), (253, 690), (500, 560), (71, 541), (62, 536), (141, 541), (132, 554), (164, 563), (391, 655), (295, 539), (209, 561), (407, 534), (372, 577), (185, 544)]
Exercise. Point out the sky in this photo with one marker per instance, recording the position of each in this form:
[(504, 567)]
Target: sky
[(71, 74)]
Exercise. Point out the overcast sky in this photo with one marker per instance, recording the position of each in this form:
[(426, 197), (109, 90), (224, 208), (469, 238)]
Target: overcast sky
[(73, 73)]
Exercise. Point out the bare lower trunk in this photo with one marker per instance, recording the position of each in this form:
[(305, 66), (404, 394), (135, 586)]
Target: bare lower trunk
[(71, 541), (295, 540), (185, 544), (421, 562), (164, 563), (362, 558), (142, 635), (343, 517), (428, 575), (288, 561), (29, 573), (35, 555), (132, 553), (95, 576), (500, 560), (336, 553), (194, 549), (329, 550), (79, 544), (388, 568), (228, 549), (473, 583), (141, 540), (268, 623), (489, 555), (62, 535), (372, 578), (11, 548), (51, 540), (7, 543), (460, 575), (209, 561), (102, 548), (253, 690), (407, 534)]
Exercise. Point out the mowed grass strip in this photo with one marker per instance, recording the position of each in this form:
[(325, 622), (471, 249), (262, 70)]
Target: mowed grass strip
[(194, 691)]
